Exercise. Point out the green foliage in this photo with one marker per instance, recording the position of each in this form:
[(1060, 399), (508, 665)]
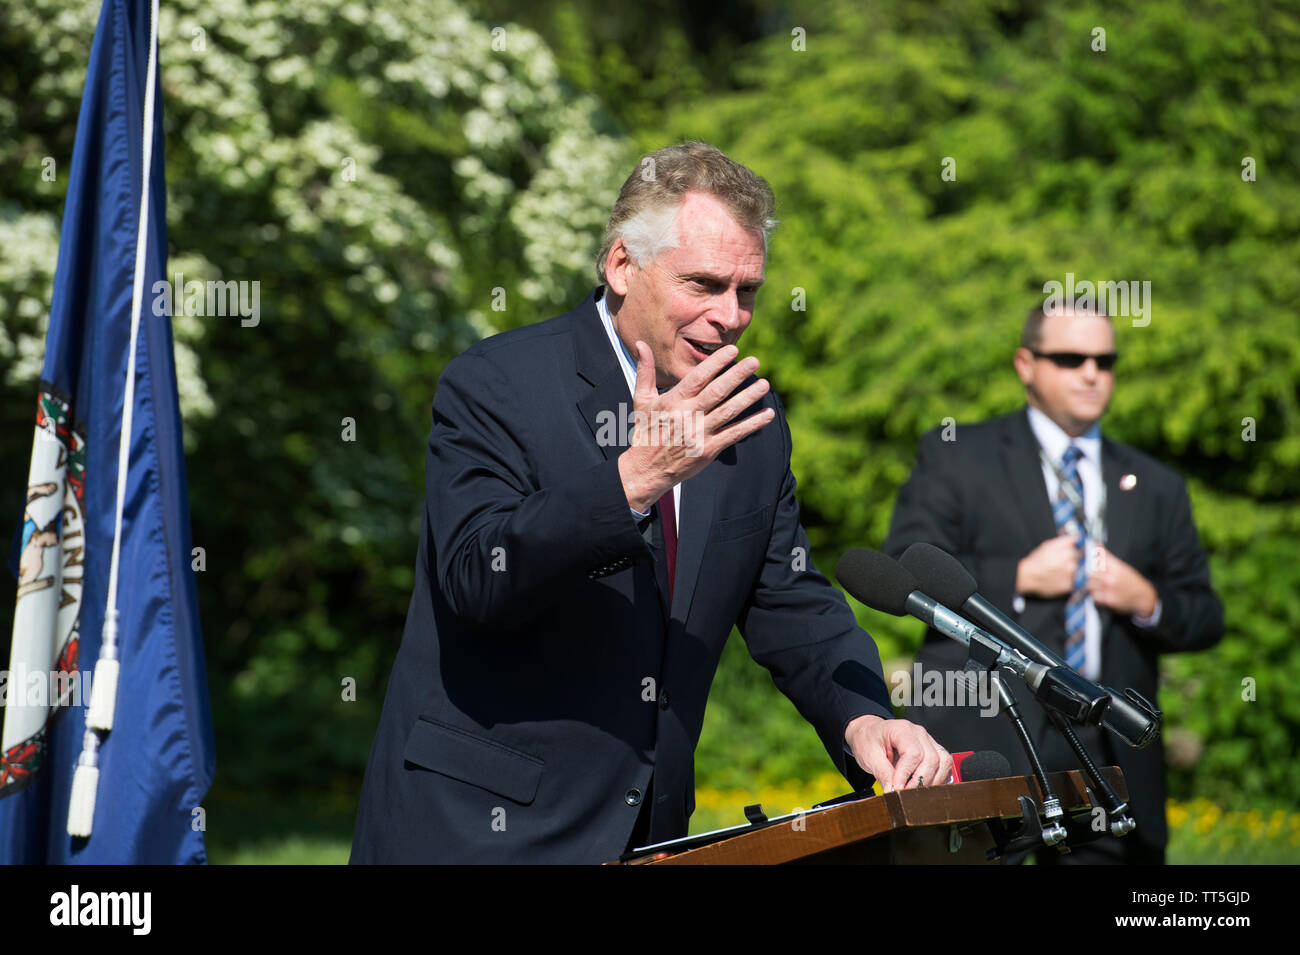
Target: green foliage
[(751, 731), (641, 58), (1122, 164), (381, 169)]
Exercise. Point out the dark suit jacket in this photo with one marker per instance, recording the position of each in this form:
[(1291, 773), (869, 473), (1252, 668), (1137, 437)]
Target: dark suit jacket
[(982, 498), (543, 678)]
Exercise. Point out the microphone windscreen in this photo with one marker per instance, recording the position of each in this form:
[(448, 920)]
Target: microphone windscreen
[(876, 580), (984, 764), (940, 575)]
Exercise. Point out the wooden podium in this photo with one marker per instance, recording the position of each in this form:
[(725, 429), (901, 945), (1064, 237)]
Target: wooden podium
[(943, 825)]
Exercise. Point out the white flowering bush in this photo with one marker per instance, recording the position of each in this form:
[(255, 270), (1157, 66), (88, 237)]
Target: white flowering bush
[(394, 143), (380, 170)]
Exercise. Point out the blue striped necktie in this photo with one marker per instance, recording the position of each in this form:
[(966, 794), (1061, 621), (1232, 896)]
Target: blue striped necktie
[(1068, 518)]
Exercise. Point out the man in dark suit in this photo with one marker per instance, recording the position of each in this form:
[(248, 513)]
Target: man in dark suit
[(1087, 543), (608, 493)]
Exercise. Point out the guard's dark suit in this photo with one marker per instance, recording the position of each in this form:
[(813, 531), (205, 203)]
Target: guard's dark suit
[(982, 498), (544, 686)]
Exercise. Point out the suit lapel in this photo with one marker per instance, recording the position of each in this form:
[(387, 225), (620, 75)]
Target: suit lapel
[(606, 408), (1121, 505), (1024, 471), (606, 405), (1121, 513), (599, 404)]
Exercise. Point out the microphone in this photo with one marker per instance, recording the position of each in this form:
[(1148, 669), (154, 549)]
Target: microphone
[(981, 764), (884, 584), (1130, 716)]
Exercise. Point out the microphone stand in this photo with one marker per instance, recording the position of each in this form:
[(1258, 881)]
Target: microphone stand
[(1014, 844), (1121, 823), (984, 654), (1063, 691)]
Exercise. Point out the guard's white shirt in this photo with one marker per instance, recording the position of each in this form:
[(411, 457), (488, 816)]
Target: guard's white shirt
[(1054, 441)]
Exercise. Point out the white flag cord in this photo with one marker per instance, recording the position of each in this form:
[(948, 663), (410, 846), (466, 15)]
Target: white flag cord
[(103, 693)]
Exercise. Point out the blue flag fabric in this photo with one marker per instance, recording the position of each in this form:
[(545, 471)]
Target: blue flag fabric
[(156, 764)]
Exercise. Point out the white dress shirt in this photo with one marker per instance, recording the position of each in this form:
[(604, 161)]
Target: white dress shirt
[(1053, 440)]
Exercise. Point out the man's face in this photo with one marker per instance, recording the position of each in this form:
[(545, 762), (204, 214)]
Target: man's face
[(691, 300), (1075, 398)]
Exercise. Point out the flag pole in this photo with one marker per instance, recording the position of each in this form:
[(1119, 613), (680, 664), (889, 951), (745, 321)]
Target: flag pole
[(103, 694)]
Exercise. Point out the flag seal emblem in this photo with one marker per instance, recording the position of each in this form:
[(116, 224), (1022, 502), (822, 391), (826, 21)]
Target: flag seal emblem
[(47, 617)]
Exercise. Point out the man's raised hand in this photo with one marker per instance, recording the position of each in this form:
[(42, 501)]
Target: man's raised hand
[(680, 432)]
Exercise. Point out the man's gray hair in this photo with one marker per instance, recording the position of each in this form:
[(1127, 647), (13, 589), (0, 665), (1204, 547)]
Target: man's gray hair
[(645, 215)]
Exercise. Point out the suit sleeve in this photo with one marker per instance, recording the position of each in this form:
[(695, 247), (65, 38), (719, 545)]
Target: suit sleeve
[(501, 543), (930, 509), (798, 626), (1192, 615)]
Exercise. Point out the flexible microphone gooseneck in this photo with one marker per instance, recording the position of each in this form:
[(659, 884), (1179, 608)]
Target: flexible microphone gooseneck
[(1130, 716), (940, 572)]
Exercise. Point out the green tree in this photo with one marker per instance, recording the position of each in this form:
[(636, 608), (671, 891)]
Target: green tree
[(895, 293), (400, 179)]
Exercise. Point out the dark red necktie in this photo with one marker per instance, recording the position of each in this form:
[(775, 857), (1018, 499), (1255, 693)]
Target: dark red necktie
[(668, 518)]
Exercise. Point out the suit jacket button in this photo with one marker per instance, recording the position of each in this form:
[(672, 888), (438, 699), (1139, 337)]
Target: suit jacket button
[(663, 700), (633, 797)]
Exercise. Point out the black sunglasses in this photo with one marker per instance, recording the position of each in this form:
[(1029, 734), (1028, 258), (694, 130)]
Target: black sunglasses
[(1074, 359)]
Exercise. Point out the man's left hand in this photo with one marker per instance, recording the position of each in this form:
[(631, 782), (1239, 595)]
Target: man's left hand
[(1119, 586), (901, 755)]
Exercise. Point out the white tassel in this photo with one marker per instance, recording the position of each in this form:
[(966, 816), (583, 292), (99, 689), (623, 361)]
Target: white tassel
[(103, 696), (81, 805)]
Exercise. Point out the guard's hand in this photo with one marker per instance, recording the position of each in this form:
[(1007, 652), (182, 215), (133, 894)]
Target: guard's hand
[(901, 755), (681, 431), (1048, 570), (1119, 586)]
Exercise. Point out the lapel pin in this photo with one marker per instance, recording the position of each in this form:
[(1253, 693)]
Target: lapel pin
[(1128, 482)]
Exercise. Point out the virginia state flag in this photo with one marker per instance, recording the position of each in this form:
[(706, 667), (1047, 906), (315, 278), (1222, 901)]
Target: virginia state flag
[(146, 769)]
